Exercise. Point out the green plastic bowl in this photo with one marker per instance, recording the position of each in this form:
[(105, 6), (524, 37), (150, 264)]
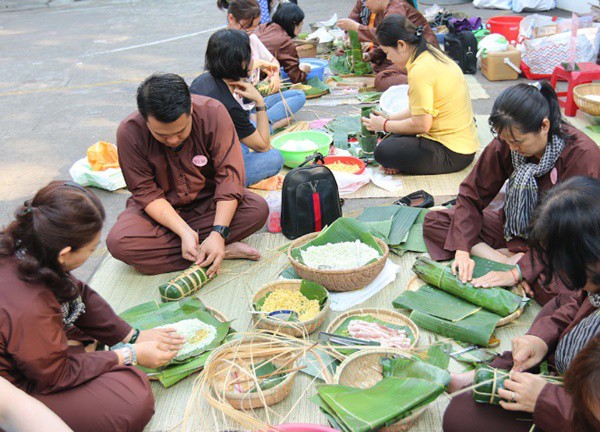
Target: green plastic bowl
[(294, 158)]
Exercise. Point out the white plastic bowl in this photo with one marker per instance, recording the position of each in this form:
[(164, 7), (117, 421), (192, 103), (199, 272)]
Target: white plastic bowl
[(394, 99)]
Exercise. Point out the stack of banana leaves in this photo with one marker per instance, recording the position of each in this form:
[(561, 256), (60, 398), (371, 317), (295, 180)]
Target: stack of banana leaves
[(154, 314), (399, 226), (458, 310), (351, 61), (408, 385), (342, 128)]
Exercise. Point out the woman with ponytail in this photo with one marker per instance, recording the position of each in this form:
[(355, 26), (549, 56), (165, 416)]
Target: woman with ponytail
[(50, 322), (437, 134), (533, 150)]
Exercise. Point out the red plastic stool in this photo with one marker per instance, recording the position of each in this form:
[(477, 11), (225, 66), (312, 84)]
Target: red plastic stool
[(587, 73)]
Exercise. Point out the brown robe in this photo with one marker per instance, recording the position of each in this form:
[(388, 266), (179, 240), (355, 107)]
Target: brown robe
[(280, 44), (389, 74), (89, 391), (207, 169), (552, 410), (471, 221)]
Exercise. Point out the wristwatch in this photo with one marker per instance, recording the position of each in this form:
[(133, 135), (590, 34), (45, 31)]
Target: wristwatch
[(221, 229), (260, 108)]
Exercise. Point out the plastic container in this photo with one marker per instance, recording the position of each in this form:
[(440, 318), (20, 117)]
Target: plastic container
[(293, 158), (394, 99), (502, 66), (274, 221), (507, 26), (349, 160), (317, 68)]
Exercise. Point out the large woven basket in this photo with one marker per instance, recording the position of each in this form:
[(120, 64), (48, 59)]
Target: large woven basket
[(338, 280), (415, 283), (386, 315), (296, 329), (362, 369), (223, 361), (586, 105)]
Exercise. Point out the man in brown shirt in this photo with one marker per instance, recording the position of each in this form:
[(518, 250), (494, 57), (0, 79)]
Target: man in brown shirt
[(183, 164)]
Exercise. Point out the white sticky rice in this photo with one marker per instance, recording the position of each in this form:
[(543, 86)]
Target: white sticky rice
[(197, 335), (299, 145), (339, 256)]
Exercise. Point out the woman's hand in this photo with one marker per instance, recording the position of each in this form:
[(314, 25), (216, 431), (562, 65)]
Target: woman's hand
[(374, 122), (496, 278), (168, 336), (305, 67), (528, 351), (521, 391), (347, 24), (267, 67), (463, 266), (274, 84), (189, 245), (155, 354), (212, 251), (247, 90)]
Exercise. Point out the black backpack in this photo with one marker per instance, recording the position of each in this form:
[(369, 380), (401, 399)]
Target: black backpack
[(310, 198), (462, 48)]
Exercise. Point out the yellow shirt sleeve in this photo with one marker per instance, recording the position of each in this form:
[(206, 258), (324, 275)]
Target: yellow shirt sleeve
[(421, 91)]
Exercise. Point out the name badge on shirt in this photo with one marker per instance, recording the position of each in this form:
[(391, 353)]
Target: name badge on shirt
[(554, 175), (200, 160)]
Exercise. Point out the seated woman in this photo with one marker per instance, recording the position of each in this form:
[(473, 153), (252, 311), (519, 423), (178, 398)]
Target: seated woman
[(245, 15), (228, 61), (534, 149), (269, 8), (437, 134), (566, 233), (277, 37), (51, 321), (366, 17)]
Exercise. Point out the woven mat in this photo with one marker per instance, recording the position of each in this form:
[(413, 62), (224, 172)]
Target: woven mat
[(475, 88), (581, 121), (231, 294)]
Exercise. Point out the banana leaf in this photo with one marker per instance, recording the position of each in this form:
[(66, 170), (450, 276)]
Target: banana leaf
[(402, 367), (342, 230), (484, 266), (402, 217), (317, 86), (312, 366), (184, 284), (435, 302), (266, 368), (437, 355), (391, 399), (369, 97), (310, 290), (289, 273), (475, 356), (476, 329), (379, 219), (487, 381), (495, 299), (415, 241)]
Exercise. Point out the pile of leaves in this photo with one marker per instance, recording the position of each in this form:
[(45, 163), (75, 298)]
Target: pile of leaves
[(351, 61)]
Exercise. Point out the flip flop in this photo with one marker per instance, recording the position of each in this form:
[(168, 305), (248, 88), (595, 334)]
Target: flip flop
[(419, 199)]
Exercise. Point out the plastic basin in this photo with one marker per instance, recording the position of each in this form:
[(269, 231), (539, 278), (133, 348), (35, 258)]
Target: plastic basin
[(394, 99), (507, 26), (293, 158), (349, 160), (317, 68)]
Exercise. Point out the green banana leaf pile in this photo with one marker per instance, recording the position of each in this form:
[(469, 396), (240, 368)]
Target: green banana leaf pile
[(408, 385), (317, 87), (153, 314), (399, 226), (350, 62)]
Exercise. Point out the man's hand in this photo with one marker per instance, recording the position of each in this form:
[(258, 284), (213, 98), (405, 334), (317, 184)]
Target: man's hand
[(463, 266), (347, 24), (189, 245), (212, 251), (528, 351), (522, 391)]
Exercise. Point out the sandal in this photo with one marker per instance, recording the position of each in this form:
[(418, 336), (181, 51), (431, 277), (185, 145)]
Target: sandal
[(419, 199)]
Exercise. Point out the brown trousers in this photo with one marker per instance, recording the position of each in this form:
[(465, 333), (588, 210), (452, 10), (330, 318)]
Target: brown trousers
[(435, 232), (151, 248), (119, 400), (389, 76)]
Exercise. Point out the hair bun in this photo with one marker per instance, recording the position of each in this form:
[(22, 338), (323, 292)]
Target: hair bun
[(419, 31)]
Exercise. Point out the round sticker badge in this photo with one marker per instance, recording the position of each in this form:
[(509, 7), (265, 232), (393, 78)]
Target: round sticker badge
[(200, 160), (554, 175)]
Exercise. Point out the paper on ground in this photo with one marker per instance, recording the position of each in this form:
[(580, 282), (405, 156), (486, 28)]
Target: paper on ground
[(384, 181), (345, 300)]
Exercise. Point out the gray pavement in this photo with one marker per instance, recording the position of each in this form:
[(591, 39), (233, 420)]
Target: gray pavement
[(69, 70)]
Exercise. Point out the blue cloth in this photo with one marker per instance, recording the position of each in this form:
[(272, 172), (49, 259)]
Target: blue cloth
[(260, 166), (275, 108), (265, 17)]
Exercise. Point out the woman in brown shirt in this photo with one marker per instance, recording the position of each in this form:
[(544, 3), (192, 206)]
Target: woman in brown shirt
[(534, 150), (50, 321), (277, 36)]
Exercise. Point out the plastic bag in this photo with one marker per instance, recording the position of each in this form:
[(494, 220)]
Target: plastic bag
[(110, 179), (492, 43), (493, 4), (103, 155), (533, 5)]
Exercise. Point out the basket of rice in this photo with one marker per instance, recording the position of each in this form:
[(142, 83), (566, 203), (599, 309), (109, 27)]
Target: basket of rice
[(308, 300), (343, 257), (587, 98), (253, 371)]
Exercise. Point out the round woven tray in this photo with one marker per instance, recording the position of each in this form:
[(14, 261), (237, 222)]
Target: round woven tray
[(296, 329), (215, 364), (390, 316), (584, 104), (318, 95), (415, 283), (338, 280), (362, 369)]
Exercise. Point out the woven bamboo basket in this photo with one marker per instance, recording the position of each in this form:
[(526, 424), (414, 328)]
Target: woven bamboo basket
[(306, 48), (338, 280), (218, 315), (586, 105), (415, 283), (362, 369), (390, 316), (296, 329), (226, 360)]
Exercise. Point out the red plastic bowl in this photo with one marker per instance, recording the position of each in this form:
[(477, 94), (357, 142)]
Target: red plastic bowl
[(507, 26), (304, 427), (350, 160)]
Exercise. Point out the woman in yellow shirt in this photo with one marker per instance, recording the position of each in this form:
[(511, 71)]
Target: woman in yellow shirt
[(436, 134)]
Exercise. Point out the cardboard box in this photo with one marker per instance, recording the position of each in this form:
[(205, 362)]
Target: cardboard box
[(496, 66)]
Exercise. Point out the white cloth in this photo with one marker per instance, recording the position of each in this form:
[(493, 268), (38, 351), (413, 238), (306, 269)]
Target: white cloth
[(384, 181), (345, 300)]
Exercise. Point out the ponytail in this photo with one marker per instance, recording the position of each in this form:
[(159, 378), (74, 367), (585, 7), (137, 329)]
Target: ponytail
[(240, 9)]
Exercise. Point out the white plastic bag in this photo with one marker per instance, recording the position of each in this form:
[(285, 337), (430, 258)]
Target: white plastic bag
[(110, 179), (493, 4), (492, 43), (349, 183), (532, 5)]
